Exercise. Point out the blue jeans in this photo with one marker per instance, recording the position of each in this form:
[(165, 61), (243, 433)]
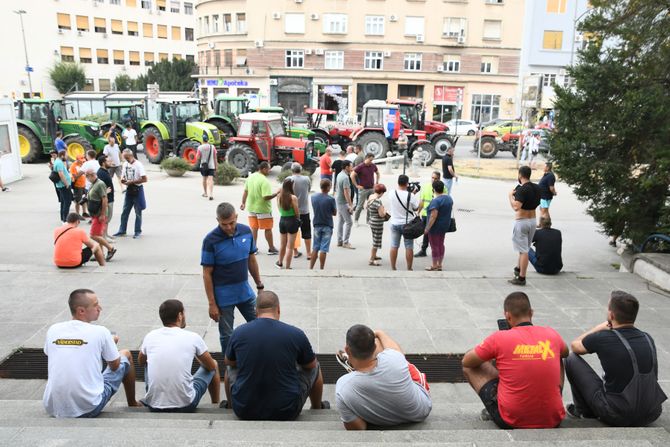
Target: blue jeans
[(227, 319), (201, 380), (396, 234), (65, 197), (129, 203), (113, 380), (448, 184)]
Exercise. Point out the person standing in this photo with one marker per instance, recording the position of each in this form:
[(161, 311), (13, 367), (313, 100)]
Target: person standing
[(289, 223), (206, 156), (76, 387), (360, 155), (547, 189), (257, 200), (133, 176), (63, 186), (351, 155), (228, 257), (448, 171), (337, 168), (345, 205), (377, 217), (78, 184), (439, 220), (364, 177), (301, 187), (129, 136), (59, 144), (113, 153), (403, 206), (103, 174), (91, 164), (548, 243), (97, 205), (325, 163), (523, 199), (426, 194), (324, 208)]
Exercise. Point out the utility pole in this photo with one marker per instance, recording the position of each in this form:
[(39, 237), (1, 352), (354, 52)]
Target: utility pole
[(28, 68)]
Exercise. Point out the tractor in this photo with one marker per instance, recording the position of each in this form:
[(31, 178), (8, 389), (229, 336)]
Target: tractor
[(262, 137), (122, 114), (413, 117), (226, 110), (178, 130), (502, 137), (319, 136), (37, 123)]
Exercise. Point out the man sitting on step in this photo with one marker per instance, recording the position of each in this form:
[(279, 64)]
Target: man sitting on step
[(168, 355), (630, 395), (523, 389), (271, 368), (382, 388)]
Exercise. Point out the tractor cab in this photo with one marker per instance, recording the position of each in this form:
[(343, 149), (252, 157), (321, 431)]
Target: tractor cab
[(123, 114), (230, 106), (45, 114), (316, 116), (413, 117), (378, 114)]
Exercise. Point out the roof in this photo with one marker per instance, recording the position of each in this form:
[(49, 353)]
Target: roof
[(119, 105), (260, 116), (34, 100), (178, 100), (379, 104), (321, 111), (270, 109), (404, 102), (225, 97)]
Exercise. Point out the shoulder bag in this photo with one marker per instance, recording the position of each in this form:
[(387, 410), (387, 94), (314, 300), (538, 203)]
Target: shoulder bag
[(204, 165), (62, 233), (54, 177), (414, 228)]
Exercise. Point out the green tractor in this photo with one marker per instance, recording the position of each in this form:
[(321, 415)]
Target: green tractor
[(178, 130), (226, 110), (123, 114), (37, 123)]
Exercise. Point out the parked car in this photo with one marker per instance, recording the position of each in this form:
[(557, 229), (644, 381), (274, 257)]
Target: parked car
[(462, 127), (503, 127)]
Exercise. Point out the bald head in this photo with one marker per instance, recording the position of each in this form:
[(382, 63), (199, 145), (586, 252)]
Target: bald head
[(79, 298), (267, 303)]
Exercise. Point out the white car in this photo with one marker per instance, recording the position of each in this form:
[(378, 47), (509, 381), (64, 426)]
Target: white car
[(462, 127)]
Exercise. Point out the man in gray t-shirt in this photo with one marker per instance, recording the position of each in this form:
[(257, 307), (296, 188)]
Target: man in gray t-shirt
[(345, 205), (384, 389), (301, 186)]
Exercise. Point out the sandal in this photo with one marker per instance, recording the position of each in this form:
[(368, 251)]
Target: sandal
[(204, 195), (343, 359), (433, 269), (297, 255), (375, 263), (377, 258)]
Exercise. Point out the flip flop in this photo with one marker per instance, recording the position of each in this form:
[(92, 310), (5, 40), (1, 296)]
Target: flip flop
[(297, 255), (374, 263)]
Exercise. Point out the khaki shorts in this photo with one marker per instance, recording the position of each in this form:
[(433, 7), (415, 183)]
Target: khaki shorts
[(261, 221)]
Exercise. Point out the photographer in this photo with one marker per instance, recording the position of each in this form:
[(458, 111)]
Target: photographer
[(404, 204)]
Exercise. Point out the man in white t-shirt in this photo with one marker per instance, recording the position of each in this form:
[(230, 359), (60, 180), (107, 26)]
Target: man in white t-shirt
[(76, 387), (91, 164), (401, 212), (113, 154), (133, 176), (168, 354), (130, 137)]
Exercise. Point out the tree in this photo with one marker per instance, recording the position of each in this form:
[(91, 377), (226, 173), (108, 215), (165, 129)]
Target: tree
[(123, 83), (612, 128), (171, 76), (67, 76)]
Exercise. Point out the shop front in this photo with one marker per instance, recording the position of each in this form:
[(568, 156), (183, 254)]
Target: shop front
[(447, 102), (291, 93), (333, 95), (257, 90)]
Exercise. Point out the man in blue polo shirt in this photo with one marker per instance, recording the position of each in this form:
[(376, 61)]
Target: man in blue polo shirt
[(228, 256)]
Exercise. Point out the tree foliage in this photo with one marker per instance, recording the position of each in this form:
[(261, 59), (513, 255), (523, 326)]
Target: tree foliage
[(171, 76), (124, 83), (67, 76), (612, 142)]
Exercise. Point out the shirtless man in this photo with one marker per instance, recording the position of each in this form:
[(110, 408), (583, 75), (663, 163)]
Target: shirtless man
[(523, 199)]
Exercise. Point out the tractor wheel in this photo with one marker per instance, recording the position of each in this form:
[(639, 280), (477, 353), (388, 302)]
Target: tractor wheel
[(119, 140), (154, 147), (30, 147), (309, 167), (441, 144), (77, 146), (374, 143), (189, 151), (321, 136), (489, 147), (243, 157), (471, 132), (427, 152)]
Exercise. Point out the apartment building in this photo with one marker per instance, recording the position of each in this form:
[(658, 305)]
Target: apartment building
[(108, 37), (338, 54)]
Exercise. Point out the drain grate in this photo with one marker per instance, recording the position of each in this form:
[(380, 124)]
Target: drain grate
[(439, 368), (465, 210)]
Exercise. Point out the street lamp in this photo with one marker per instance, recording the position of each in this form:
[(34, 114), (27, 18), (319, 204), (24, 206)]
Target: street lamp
[(574, 29), (20, 12)]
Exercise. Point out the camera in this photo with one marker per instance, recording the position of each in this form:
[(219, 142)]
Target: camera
[(413, 187)]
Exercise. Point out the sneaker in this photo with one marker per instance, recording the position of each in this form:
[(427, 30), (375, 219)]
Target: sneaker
[(137, 235), (5, 189), (325, 405), (224, 404), (278, 265), (517, 271), (343, 359), (572, 411), (349, 246), (421, 254), (110, 254), (339, 244), (273, 251), (119, 234), (211, 198), (85, 215), (485, 416), (517, 281)]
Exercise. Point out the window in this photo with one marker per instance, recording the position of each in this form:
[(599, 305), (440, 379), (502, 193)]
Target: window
[(374, 25), (241, 58), (85, 56), (190, 57), (67, 54), (413, 26), (552, 40), (119, 59), (188, 8), (205, 25), (162, 31), (294, 23), (174, 6), (413, 61), (334, 23), (489, 65), (117, 27), (215, 24), (453, 27), (160, 5), (146, 4), (132, 29), (334, 60), (241, 24), (131, 3), (485, 108), (492, 29), (556, 6), (374, 60), (494, 2), (100, 25), (548, 79), (176, 57), (88, 85), (227, 23), (162, 57), (104, 85), (134, 57), (147, 30), (149, 59), (102, 56), (295, 58), (188, 34), (452, 64), (82, 23), (486, 67), (63, 21), (114, 2), (176, 33), (567, 81), (409, 91)]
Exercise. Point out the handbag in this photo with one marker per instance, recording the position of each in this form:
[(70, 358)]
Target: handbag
[(452, 226), (414, 228), (54, 177), (204, 166), (133, 190)]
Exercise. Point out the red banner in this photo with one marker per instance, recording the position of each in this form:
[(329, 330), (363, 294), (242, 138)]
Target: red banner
[(442, 93)]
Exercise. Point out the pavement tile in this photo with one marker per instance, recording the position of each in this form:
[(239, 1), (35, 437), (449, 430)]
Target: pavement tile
[(342, 317), (388, 298), (446, 317), (429, 299)]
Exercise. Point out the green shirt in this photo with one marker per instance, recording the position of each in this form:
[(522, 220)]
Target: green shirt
[(426, 196), (257, 187), (98, 192)]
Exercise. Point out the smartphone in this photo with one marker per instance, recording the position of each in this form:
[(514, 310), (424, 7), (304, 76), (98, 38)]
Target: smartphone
[(503, 325)]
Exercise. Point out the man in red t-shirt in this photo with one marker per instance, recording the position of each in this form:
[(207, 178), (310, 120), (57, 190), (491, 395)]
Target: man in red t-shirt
[(523, 389), (325, 163)]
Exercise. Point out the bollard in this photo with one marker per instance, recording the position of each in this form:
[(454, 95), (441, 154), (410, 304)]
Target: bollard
[(417, 159), (388, 169)]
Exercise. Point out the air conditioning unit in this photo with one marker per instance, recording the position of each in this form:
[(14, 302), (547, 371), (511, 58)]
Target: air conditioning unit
[(276, 15), (387, 54), (319, 51), (579, 38), (89, 81), (562, 72), (419, 38), (258, 44), (440, 68), (393, 18), (461, 39), (60, 31), (314, 16), (308, 51)]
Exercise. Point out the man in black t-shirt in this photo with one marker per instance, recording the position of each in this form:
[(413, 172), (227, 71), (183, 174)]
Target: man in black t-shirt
[(523, 199), (448, 171), (547, 190), (630, 395), (546, 258)]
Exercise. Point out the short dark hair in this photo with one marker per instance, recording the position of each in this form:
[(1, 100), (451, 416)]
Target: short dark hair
[(517, 304), (263, 165), (358, 146), (403, 180), (624, 306), (59, 133), (525, 172), (169, 311), (345, 164), (438, 186), (102, 159), (91, 153), (267, 300), (325, 184), (545, 222), (73, 217), (78, 299), (437, 173), (369, 155), (549, 165), (224, 210), (361, 341)]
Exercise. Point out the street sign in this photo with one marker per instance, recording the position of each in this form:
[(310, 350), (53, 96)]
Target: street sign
[(29, 68)]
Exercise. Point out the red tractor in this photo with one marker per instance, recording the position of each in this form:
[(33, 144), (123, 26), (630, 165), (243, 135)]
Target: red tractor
[(413, 117), (314, 121), (262, 137)]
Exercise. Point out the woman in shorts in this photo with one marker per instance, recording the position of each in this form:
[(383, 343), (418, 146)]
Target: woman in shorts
[(376, 217), (206, 156), (289, 223)]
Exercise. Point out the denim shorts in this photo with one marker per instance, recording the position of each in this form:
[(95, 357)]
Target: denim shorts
[(113, 381), (396, 234), (321, 238), (201, 380), (544, 203)]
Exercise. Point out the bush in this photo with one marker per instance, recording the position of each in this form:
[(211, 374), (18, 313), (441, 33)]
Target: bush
[(96, 118), (287, 173), (176, 163), (67, 76), (226, 174)]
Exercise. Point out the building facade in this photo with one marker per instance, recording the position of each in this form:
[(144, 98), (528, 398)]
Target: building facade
[(338, 54), (108, 38)]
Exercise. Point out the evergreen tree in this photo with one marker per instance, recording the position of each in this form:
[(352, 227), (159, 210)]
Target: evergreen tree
[(123, 83), (171, 76), (67, 76)]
